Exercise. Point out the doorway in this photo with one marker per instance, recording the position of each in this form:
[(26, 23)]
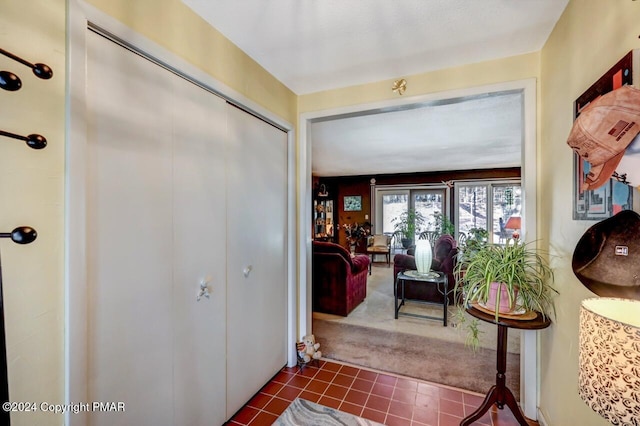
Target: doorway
[(527, 87)]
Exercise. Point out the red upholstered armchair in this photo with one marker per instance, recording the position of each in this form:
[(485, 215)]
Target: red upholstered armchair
[(339, 280), (445, 254)]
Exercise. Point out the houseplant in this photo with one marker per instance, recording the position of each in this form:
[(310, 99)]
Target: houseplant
[(407, 223), (515, 273), (443, 225), (477, 239)]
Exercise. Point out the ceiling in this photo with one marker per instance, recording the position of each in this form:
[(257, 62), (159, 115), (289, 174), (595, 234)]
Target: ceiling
[(457, 134), (316, 45)]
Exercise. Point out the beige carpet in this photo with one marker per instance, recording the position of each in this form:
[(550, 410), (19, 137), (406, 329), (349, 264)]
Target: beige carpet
[(415, 347)]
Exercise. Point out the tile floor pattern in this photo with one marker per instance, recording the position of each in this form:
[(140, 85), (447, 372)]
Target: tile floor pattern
[(384, 398)]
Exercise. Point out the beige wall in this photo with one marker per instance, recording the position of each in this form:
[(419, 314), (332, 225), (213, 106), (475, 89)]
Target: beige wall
[(592, 35), (177, 28), (590, 38), (480, 74), (32, 182), (31, 193)]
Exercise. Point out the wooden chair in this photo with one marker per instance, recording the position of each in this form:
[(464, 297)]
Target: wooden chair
[(379, 244)]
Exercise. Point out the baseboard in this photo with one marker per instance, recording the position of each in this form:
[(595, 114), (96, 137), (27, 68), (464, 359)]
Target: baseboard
[(541, 419)]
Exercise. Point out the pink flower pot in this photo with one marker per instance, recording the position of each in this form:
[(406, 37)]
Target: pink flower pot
[(505, 307)]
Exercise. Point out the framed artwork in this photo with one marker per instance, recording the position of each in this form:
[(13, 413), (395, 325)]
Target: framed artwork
[(613, 196), (352, 203)]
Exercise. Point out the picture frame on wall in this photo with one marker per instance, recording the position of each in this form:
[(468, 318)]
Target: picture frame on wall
[(613, 196), (352, 203)]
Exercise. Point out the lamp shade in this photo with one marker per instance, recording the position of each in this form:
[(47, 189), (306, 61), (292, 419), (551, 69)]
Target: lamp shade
[(423, 256), (513, 222), (609, 358)]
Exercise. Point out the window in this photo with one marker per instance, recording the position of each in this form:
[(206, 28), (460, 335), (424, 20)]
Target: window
[(488, 205), (393, 202)]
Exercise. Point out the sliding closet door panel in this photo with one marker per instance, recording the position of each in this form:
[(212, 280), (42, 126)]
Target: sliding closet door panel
[(129, 221), (199, 238), (256, 265)]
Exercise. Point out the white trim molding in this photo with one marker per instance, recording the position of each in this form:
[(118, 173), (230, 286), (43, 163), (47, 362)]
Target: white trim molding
[(529, 347), (80, 16)]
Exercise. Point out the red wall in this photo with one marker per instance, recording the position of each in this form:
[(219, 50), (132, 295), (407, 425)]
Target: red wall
[(339, 187)]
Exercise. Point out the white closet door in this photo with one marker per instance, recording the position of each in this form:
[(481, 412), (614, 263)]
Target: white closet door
[(256, 266), (199, 239), (156, 228), (129, 221)]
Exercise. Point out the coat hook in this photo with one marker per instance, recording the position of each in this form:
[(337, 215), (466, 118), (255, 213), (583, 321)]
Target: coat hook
[(9, 81), (34, 140), (21, 235), (40, 70)]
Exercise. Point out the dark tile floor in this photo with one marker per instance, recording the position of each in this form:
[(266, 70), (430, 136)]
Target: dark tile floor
[(382, 397)]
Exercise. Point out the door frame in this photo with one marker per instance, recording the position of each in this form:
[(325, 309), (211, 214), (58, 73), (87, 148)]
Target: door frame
[(529, 352), (80, 16)]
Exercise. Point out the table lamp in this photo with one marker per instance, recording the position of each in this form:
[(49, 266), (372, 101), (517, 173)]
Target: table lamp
[(514, 222), (609, 359), (423, 256), (607, 261)]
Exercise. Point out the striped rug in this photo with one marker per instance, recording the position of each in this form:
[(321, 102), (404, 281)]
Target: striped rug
[(303, 413)]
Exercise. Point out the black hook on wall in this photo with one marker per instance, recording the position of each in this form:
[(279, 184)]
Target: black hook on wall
[(21, 235), (40, 70), (9, 81), (34, 140)]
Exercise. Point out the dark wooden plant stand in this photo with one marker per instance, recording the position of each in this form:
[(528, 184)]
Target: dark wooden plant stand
[(500, 394)]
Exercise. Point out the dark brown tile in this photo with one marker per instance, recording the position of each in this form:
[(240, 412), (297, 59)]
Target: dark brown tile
[(404, 395), (299, 381), (396, 421), (375, 415), (283, 377), (401, 409), (276, 406), (272, 388), (367, 375), (451, 407), (263, 419), (289, 393), (245, 415), (407, 384), (329, 402), (382, 390), (317, 386), (308, 372), (356, 397), (427, 401), (332, 366), (503, 418), (427, 416), (343, 380), (362, 385), (379, 403), (428, 389), (260, 400), (386, 380), (348, 407), (310, 396), (451, 394), (349, 371), (448, 420), (335, 391), (325, 376), (471, 399)]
